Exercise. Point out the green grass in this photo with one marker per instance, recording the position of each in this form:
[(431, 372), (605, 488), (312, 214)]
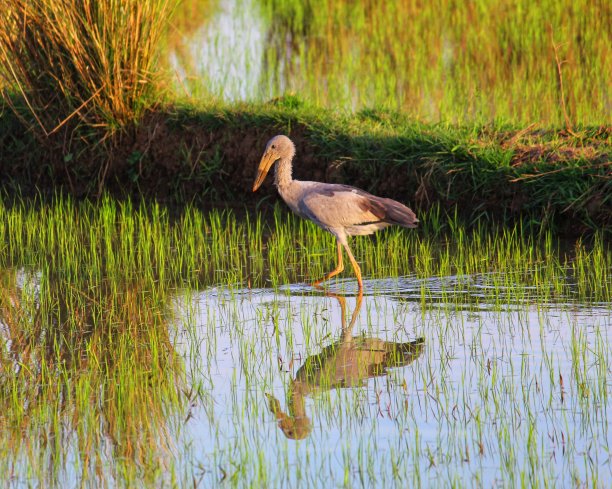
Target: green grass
[(89, 327), (86, 346), (117, 242), (435, 61), (208, 156)]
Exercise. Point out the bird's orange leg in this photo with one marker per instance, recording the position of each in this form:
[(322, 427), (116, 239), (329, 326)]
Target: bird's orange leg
[(355, 266), (335, 271)]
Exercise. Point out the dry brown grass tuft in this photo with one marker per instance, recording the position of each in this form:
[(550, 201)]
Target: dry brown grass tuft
[(89, 60)]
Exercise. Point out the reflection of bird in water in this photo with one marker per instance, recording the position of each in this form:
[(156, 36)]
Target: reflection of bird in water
[(347, 363), (340, 209)]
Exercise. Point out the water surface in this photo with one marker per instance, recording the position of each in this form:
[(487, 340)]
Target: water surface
[(490, 394), (125, 365)]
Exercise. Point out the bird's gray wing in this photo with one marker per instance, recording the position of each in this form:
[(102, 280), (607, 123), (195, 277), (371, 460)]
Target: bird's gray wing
[(333, 205)]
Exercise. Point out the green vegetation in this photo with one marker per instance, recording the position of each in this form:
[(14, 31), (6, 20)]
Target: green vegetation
[(443, 61), (113, 243), (477, 61), (107, 381), (145, 342), (85, 348)]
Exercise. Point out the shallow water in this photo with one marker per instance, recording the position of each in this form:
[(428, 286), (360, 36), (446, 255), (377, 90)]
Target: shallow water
[(434, 62), (431, 382), (224, 55), (495, 396)]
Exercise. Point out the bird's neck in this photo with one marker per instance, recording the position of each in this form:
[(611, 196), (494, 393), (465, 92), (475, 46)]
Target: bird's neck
[(297, 403), (282, 173)]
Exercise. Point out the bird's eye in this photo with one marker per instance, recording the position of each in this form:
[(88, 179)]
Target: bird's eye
[(273, 146)]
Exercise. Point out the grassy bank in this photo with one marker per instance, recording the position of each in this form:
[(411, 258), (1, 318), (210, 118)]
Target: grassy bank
[(83, 113), (208, 156)]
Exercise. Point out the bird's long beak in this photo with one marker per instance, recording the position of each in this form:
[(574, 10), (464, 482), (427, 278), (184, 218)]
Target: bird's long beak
[(267, 160)]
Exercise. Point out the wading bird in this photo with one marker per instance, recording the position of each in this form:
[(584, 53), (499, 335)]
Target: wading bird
[(340, 209)]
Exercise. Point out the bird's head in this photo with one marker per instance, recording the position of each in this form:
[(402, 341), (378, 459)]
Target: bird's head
[(295, 426), (278, 147)]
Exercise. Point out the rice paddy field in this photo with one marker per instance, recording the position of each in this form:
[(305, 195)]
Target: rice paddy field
[(144, 350), (151, 346), (442, 60)]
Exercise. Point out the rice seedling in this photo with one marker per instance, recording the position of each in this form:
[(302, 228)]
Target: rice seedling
[(448, 61), (140, 348)]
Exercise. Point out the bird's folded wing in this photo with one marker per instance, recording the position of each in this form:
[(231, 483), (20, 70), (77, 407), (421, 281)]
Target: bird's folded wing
[(343, 205)]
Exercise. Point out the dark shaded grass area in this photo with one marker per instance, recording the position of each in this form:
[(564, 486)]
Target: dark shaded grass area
[(208, 156)]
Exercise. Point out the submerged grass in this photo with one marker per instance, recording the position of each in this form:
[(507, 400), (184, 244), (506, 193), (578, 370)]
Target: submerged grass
[(96, 388)]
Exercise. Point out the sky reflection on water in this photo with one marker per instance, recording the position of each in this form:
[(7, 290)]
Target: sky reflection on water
[(291, 387), (494, 395)]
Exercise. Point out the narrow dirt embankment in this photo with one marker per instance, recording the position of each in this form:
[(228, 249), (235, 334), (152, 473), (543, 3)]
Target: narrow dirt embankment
[(208, 157)]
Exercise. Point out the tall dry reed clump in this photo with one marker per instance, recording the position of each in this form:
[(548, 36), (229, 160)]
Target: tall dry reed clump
[(84, 61)]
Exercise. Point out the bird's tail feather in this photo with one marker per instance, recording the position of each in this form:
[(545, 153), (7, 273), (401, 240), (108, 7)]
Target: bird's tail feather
[(399, 214)]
